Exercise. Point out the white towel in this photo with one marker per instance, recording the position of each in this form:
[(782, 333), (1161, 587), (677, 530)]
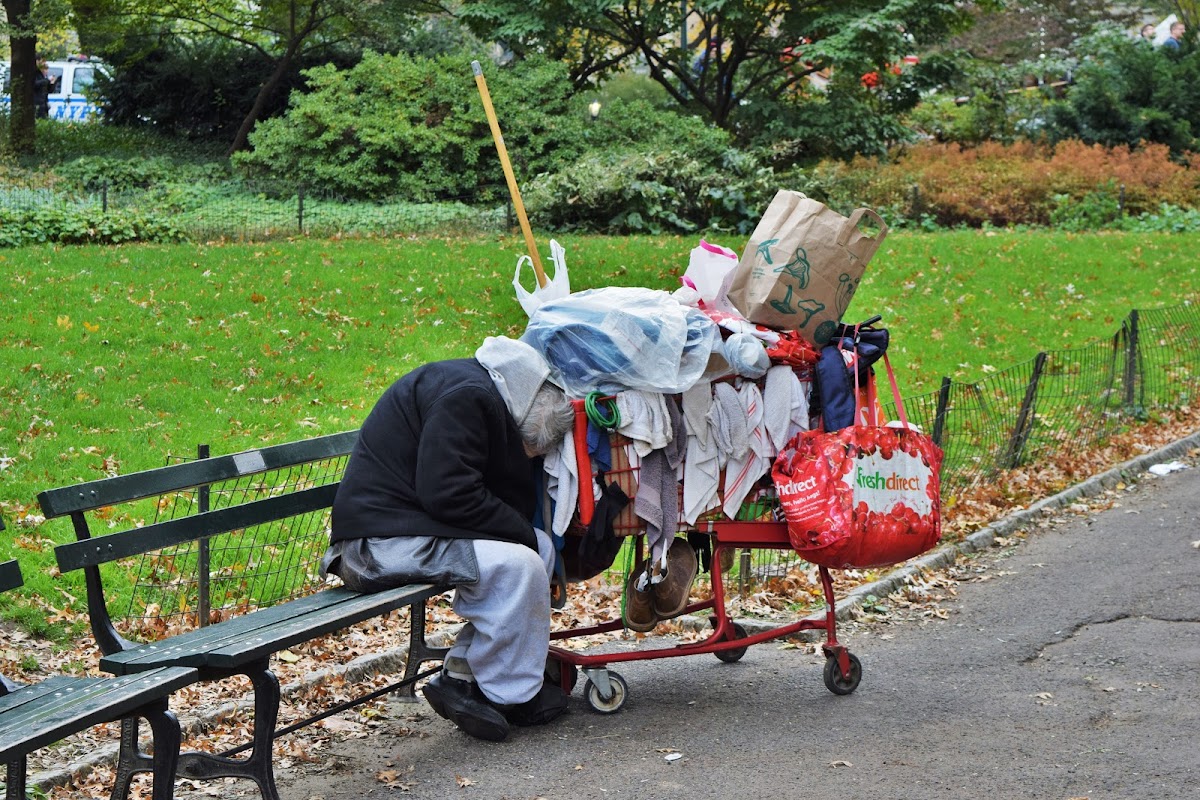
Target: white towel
[(785, 405), (727, 419), (701, 466), (742, 472), (562, 482), (645, 420)]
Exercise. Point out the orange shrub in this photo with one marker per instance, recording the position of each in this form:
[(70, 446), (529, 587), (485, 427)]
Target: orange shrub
[(1017, 183)]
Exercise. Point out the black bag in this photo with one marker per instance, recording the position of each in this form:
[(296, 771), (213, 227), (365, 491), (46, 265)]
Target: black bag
[(599, 545)]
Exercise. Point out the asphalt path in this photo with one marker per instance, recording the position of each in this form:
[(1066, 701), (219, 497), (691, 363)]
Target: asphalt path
[(1069, 669)]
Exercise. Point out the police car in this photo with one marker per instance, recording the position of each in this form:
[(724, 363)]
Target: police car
[(70, 82)]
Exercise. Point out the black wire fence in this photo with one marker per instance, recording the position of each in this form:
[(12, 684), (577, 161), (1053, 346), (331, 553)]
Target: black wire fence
[(1061, 402), (263, 210)]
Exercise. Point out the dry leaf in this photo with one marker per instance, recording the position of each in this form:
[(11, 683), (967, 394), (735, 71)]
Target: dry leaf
[(462, 782), (840, 764)]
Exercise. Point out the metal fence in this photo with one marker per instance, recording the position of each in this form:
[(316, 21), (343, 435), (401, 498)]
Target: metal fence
[(261, 210), (1062, 402)]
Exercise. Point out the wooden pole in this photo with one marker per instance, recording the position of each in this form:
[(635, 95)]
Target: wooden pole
[(508, 173)]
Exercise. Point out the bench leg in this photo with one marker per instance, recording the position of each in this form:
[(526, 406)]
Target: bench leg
[(419, 651), (14, 781), (257, 766), (165, 733)]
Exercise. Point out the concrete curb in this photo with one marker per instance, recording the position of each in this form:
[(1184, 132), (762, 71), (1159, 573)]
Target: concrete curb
[(944, 556)]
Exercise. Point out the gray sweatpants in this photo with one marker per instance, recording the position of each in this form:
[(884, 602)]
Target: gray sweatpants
[(507, 635)]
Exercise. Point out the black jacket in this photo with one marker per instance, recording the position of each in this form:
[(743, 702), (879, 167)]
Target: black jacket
[(439, 455)]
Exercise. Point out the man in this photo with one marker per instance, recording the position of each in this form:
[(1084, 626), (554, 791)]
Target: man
[(1176, 38), (441, 488)]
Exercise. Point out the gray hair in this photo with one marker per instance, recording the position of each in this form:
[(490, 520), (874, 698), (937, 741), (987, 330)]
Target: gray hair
[(550, 417)]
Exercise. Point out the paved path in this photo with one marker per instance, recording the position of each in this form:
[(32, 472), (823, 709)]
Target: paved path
[(1072, 671)]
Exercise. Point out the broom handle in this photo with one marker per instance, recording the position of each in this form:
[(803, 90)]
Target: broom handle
[(508, 173)]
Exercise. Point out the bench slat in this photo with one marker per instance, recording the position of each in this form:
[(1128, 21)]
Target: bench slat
[(215, 636), (189, 474), (10, 574), (296, 631), (115, 546), (244, 639), (38, 715)]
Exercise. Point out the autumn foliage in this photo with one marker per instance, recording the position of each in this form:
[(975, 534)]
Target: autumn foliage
[(1019, 183)]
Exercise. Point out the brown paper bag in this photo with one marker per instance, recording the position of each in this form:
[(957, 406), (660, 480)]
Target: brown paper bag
[(802, 265)]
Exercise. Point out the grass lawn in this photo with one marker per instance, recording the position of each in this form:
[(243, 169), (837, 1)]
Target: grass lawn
[(115, 358)]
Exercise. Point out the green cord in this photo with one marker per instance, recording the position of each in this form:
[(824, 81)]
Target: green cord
[(601, 411)]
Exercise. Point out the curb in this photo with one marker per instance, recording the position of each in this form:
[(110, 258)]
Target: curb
[(393, 660)]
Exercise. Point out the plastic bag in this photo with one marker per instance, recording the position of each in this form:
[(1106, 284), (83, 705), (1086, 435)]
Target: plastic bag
[(557, 287), (864, 496), (710, 273), (619, 338)]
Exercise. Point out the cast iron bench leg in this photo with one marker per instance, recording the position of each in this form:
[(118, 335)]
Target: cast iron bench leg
[(165, 733), (15, 780), (419, 651), (257, 766)]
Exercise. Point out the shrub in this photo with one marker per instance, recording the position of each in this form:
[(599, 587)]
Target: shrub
[(414, 127), (81, 225), (1021, 183), (654, 171)]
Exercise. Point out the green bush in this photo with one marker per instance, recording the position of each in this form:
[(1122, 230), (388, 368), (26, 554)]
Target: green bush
[(414, 127), (81, 225), (123, 174)]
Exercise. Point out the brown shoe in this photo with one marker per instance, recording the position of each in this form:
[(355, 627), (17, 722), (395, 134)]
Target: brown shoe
[(639, 605), (671, 593)]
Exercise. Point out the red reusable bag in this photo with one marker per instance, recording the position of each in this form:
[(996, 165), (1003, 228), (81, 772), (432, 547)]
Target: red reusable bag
[(864, 496)]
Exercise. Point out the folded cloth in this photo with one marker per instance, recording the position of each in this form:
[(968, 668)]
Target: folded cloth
[(742, 472), (785, 405), (562, 482), (644, 420), (657, 500), (728, 423), (701, 467)]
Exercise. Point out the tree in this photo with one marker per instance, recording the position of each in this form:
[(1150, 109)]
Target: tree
[(715, 56), (24, 19), (280, 32)]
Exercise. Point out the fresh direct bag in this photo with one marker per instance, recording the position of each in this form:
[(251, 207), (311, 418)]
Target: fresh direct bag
[(863, 496)]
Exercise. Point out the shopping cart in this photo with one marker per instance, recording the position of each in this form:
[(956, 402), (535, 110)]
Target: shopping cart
[(604, 688)]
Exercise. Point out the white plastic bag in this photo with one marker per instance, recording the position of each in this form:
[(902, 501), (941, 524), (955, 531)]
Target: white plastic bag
[(557, 287), (710, 272), (620, 338)]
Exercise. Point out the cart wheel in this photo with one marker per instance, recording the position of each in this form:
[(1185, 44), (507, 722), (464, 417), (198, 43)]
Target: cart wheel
[(555, 669), (730, 656), (836, 682), (613, 704)]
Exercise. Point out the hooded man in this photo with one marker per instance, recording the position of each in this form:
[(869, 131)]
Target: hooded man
[(441, 488)]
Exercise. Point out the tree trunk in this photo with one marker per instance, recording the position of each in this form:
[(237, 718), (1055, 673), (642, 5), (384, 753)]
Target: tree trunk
[(240, 141), (23, 45)]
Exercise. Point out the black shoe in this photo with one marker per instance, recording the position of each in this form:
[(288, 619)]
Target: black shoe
[(463, 704), (547, 705)]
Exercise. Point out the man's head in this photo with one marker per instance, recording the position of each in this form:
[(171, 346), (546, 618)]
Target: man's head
[(1177, 30), (1148, 31), (549, 419)]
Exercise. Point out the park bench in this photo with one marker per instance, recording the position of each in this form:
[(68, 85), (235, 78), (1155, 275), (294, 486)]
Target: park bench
[(36, 715), (234, 544)]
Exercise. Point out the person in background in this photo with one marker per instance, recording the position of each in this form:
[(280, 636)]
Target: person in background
[(441, 487), (1173, 41), (41, 91), (1148, 32)]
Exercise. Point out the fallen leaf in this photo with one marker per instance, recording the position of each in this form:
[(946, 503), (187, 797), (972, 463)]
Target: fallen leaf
[(462, 782), (840, 764)]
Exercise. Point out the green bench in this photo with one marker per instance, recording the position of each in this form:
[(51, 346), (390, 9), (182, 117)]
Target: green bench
[(40, 714), (250, 527)]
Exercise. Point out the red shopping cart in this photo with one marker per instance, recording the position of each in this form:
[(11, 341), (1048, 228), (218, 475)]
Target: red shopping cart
[(605, 690)]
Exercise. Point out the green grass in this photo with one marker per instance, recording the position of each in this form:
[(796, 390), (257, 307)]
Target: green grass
[(114, 358)]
